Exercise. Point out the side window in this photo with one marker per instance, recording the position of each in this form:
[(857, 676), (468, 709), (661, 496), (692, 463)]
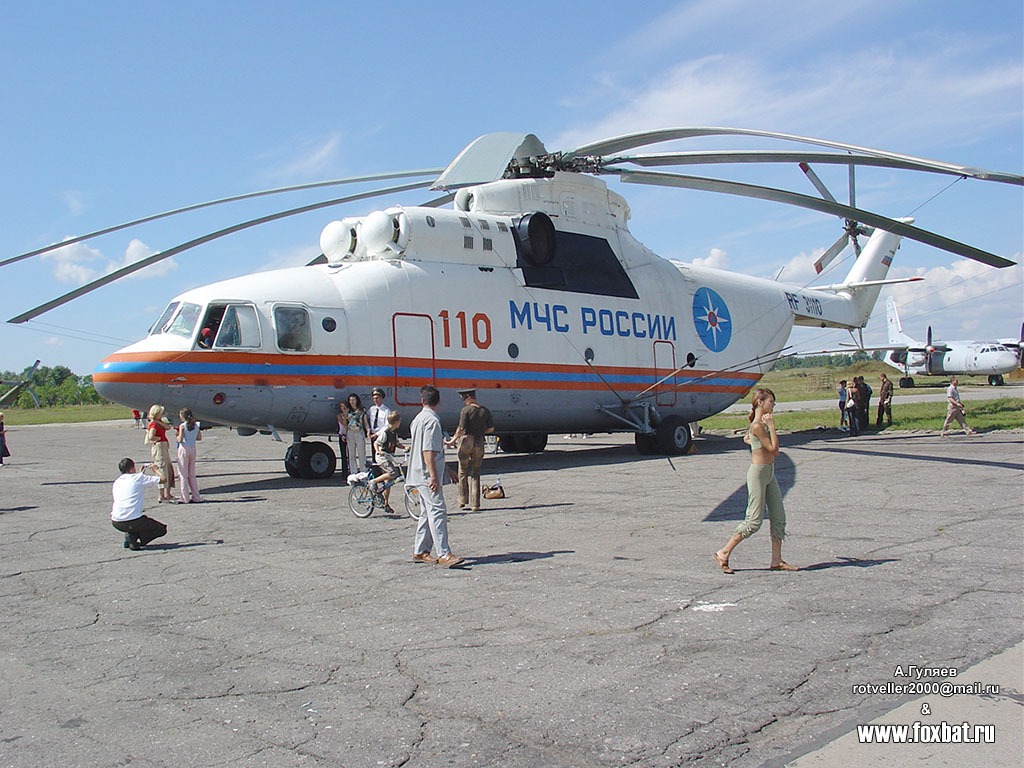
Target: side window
[(293, 332), (239, 328)]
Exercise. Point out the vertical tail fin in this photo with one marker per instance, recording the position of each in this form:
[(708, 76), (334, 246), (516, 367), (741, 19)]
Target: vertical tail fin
[(872, 264), (892, 317)]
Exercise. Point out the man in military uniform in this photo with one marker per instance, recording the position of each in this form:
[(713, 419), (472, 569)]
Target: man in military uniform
[(474, 423), (884, 402)]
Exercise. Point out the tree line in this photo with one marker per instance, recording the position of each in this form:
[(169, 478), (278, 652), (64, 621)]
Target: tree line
[(53, 386), (827, 361)]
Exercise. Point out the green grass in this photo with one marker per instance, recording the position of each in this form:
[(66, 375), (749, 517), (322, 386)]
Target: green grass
[(66, 414), (1003, 413), (823, 383)]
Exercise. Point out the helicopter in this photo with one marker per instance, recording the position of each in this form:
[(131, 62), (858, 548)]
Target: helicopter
[(529, 288), (17, 385)]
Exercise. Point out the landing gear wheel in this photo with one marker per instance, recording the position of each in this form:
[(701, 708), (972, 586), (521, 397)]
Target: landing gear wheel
[(645, 444), (412, 502), (509, 443), (995, 380), (535, 442), (906, 383), (360, 500), (310, 461), (673, 436), (318, 460)]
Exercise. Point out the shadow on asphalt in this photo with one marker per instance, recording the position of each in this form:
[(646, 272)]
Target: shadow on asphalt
[(848, 562), (182, 545), (512, 557)]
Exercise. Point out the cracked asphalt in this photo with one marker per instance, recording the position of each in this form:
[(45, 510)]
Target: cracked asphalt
[(591, 626)]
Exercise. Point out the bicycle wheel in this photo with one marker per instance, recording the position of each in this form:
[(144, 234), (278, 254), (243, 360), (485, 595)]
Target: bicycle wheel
[(412, 501), (360, 501)]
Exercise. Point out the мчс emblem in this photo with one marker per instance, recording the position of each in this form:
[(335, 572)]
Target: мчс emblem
[(711, 319)]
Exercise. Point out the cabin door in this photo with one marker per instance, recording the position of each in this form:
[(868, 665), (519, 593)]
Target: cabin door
[(414, 356), (665, 365)]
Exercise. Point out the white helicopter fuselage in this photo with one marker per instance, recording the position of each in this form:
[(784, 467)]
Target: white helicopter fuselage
[(587, 341)]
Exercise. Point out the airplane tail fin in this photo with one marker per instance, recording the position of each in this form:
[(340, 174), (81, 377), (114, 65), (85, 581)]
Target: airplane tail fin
[(867, 276), (892, 317)]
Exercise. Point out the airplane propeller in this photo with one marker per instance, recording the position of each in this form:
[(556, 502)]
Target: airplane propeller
[(515, 155)]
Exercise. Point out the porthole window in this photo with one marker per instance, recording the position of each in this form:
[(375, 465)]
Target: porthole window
[(691, 359), (588, 355), (513, 351), (329, 324), (430, 221)]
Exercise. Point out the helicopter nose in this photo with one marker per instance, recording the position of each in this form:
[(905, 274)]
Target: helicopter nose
[(119, 381)]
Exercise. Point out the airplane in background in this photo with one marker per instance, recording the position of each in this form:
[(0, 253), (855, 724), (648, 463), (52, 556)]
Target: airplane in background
[(945, 358)]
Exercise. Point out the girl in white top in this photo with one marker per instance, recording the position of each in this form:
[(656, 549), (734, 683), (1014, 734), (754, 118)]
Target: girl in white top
[(188, 436)]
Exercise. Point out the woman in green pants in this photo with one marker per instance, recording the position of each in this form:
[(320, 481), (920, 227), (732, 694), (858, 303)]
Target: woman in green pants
[(763, 492)]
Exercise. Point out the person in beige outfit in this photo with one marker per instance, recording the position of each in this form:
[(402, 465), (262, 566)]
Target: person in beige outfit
[(474, 423)]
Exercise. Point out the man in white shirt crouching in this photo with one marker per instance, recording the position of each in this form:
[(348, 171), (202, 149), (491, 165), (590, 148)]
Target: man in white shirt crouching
[(126, 513)]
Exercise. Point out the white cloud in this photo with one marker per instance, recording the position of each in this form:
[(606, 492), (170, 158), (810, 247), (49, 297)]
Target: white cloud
[(75, 202), (957, 299), (78, 264), (941, 89), (311, 158), (53, 341), (716, 258)]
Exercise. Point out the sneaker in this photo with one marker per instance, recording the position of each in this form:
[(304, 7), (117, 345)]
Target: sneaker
[(424, 557), (450, 560), (133, 543)]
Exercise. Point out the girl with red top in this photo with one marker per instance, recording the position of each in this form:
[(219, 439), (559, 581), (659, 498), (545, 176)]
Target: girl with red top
[(156, 436)]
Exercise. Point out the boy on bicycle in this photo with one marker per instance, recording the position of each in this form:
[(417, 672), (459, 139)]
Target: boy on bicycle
[(385, 446)]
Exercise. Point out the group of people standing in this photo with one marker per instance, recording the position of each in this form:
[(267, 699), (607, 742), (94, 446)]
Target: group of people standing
[(855, 404)]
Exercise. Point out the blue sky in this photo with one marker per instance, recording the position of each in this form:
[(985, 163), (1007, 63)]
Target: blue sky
[(117, 110)]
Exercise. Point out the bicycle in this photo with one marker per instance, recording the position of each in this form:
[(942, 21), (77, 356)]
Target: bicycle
[(364, 496)]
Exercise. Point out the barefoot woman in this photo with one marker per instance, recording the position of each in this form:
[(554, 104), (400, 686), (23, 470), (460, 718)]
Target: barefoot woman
[(762, 488)]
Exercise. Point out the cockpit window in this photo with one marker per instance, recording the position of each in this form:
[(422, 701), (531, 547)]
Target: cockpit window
[(239, 328), (184, 323), (293, 332), (165, 318)]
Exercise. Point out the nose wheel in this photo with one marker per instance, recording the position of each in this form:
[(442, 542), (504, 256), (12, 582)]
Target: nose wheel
[(310, 461)]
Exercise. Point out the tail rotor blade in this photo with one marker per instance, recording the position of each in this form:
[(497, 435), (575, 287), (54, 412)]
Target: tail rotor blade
[(831, 252)]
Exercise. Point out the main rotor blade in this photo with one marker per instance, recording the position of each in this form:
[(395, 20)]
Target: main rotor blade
[(630, 141), (220, 201), (713, 157), (815, 204), (143, 263)]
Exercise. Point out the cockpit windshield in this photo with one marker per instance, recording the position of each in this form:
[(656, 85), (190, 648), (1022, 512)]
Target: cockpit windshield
[(184, 322), (165, 318)]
